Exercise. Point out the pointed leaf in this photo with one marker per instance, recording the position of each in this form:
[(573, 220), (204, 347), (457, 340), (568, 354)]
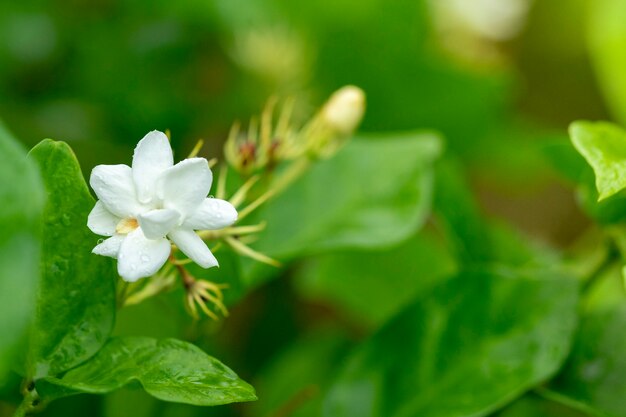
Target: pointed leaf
[(76, 294), (169, 369), (465, 348), (604, 147)]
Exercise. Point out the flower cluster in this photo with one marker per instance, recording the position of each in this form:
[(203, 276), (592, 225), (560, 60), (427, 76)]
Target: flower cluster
[(155, 208)]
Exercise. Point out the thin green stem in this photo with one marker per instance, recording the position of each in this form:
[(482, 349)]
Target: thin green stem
[(30, 403)]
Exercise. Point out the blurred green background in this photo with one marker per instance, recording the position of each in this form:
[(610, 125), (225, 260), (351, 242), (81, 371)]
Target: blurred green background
[(500, 79)]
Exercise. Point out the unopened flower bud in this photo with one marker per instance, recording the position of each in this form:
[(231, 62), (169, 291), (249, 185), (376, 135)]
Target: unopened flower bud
[(344, 109)]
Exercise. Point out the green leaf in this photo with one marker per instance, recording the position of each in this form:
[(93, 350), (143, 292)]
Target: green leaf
[(465, 348), (168, 369), (76, 294), (373, 285), (593, 378), (20, 218), (607, 47), (374, 193), (604, 147), (572, 167)]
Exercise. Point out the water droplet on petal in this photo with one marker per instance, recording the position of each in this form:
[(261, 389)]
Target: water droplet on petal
[(133, 267), (144, 258)]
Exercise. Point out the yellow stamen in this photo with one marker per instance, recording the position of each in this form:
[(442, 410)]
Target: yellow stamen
[(126, 226), (245, 250), (196, 149)]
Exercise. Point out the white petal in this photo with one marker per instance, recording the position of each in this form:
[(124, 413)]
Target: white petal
[(113, 184), (212, 214), (101, 221), (140, 257), (194, 247), (110, 247), (152, 156), (157, 223), (184, 186)]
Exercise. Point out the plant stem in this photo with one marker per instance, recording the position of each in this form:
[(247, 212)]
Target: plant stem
[(28, 404)]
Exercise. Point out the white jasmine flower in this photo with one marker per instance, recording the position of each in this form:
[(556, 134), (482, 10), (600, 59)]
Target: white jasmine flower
[(140, 208)]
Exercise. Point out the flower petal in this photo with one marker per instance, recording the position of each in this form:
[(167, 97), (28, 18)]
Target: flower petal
[(191, 245), (110, 247), (140, 257), (184, 186), (113, 184), (101, 221), (152, 156), (157, 223), (212, 214)]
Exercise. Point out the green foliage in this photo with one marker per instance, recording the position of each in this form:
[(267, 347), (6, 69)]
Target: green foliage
[(604, 147), (592, 379), (465, 348), (351, 280), (76, 294), (169, 369), (375, 193), (572, 167), (439, 289), (20, 215), (607, 47)]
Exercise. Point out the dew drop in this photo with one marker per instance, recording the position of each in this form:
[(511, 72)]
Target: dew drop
[(133, 267), (144, 258)]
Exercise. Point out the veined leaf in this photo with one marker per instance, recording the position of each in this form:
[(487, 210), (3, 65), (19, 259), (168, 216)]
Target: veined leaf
[(75, 308), (465, 348), (169, 369)]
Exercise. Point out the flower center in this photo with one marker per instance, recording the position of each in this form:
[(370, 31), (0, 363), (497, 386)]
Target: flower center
[(126, 226)]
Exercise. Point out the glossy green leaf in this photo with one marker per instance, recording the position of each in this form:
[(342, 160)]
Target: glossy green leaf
[(76, 294), (607, 46), (20, 218), (604, 147), (593, 378), (466, 348), (374, 193), (168, 369), (371, 286)]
